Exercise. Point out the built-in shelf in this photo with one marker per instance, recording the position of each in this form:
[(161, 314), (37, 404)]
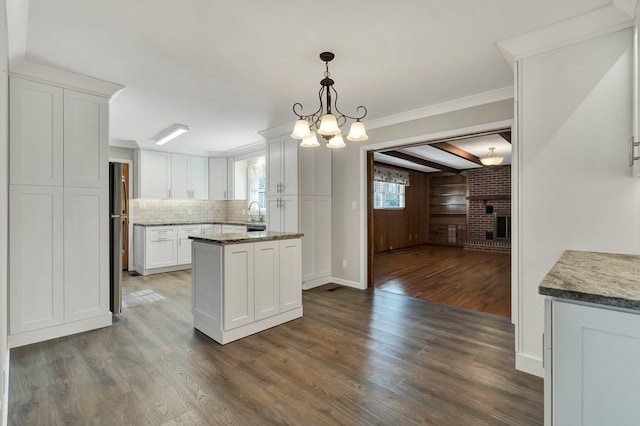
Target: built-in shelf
[(448, 208)]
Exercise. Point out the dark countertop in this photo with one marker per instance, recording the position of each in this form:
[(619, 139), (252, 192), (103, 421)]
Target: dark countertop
[(246, 237), (604, 278), (214, 222)]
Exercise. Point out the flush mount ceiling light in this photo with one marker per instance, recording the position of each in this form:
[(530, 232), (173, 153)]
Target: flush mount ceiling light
[(491, 159), (171, 133), (324, 120)]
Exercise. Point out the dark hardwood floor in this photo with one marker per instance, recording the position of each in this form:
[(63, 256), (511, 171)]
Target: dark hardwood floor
[(469, 279), (356, 357)]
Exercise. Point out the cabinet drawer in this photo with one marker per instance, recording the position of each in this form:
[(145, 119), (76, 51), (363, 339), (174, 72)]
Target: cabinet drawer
[(161, 231), (186, 230)]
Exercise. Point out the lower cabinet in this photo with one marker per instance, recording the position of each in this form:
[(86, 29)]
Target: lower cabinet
[(592, 374), (59, 262), (211, 230), (241, 289), (184, 242), (161, 247)]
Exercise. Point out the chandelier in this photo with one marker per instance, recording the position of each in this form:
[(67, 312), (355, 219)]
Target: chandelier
[(491, 159), (327, 123)]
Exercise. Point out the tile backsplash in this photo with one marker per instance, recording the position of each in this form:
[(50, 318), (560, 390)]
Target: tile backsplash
[(175, 211)]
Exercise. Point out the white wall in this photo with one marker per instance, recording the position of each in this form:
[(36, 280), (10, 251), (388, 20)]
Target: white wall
[(4, 212), (348, 240), (575, 186)]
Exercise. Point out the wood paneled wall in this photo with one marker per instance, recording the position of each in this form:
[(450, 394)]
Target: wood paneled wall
[(403, 228)]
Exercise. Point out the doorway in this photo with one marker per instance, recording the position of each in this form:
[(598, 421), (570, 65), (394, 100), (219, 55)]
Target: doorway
[(445, 250)]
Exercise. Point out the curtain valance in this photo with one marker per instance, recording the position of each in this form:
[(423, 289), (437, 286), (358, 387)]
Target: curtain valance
[(385, 174)]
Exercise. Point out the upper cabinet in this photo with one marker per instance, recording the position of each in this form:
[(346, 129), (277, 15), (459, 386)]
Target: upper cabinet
[(314, 166), (282, 166), (218, 179), (163, 175)]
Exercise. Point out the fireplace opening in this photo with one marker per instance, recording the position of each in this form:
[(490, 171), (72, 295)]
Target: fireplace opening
[(502, 226)]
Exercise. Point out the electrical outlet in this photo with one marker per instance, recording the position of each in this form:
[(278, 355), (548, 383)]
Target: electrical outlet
[(354, 205), (344, 263)]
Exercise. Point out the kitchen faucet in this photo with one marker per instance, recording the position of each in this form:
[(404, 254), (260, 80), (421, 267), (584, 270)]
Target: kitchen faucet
[(249, 211)]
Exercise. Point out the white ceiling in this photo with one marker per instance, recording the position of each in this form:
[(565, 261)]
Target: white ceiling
[(229, 69)]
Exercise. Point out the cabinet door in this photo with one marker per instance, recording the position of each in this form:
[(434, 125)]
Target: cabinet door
[(211, 230), (274, 166), (161, 247), (35, 257), (595, 367), (218, 178), (199, 178), (289, 213), (179, 176), (86, 253), (267, 279), (86, 129), (36, 138), (290, 275), (155, 174), (238, 285), (274, 214), (289, 166), (184, 243), (315, 224)]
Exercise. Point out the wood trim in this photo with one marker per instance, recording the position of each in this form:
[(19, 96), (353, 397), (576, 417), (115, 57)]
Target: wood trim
[(421, 161), (490, 197), (370, 223), (506, 136), (458, 152)]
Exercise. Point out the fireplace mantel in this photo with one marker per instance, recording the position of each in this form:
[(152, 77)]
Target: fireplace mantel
[(489, 197)]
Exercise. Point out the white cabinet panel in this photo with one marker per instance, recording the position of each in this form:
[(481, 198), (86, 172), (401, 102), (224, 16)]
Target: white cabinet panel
[(86, 128), (211, 230), (86, 253), (199, 178), (36, 135), (282, 213), (316, 243), (239, 285), (154, 174), (290, 275), (274, 166), (267, 279), (233, 229), (161, 247), (35, 257), (184, 243), (218, 179), (180, 176), (595, 354), (289, 166)]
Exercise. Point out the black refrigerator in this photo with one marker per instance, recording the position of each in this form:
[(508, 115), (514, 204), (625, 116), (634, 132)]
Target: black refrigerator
[(118, 233)]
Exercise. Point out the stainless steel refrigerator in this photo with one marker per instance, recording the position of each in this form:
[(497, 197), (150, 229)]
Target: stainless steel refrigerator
[(118, 233)]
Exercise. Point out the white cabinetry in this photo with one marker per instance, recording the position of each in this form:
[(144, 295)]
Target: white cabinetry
[(241, 289), (594, 351), (315, 224), (282, 213), (315, 171), (282, 166), (154, 174), (211, 230), (218, 179), (59, 257), (161, 247), (163, 175), (233, 229), (184, 243)]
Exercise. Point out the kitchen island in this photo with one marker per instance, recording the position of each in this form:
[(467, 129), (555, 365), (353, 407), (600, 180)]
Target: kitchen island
[(245, 283), (592, 339)]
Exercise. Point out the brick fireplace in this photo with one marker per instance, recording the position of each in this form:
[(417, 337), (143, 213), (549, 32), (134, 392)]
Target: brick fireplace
[(489, 209)]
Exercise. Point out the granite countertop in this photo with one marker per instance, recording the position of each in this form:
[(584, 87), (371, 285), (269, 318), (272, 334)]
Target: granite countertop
[(603, 278), (246, 237), (213, 222)]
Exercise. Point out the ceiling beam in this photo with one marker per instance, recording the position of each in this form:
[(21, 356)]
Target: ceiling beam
[(452, 149), (506, 136), (421, 161)]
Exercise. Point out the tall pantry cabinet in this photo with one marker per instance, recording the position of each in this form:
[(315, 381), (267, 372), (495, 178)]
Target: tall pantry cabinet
[(58, 212), (299, 200)]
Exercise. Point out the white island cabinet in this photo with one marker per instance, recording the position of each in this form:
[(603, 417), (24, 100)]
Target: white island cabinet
[(245, 283), (592, 340)]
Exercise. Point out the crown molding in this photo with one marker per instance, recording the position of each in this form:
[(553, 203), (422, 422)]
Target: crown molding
[(613, 17)]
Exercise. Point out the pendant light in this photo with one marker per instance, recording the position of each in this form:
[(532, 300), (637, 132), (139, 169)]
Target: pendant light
[(491, 159)]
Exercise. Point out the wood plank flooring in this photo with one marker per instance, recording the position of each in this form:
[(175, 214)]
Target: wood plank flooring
[(356, 357), (469, 279)]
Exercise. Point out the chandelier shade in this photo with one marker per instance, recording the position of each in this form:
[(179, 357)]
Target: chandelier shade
[(328, 119), (491, 159), (310, 141)]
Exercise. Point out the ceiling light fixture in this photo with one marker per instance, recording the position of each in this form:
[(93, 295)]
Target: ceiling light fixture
[(327, 124), (491, 159), (171, 133)]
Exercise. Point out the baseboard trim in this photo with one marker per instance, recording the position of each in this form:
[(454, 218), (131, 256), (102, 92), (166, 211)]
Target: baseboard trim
[(529, 364), (347, 283), (35, 336), (316, 282)]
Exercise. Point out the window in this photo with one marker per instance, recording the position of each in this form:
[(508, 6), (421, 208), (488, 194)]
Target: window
[(387, 195), (257, 183)]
